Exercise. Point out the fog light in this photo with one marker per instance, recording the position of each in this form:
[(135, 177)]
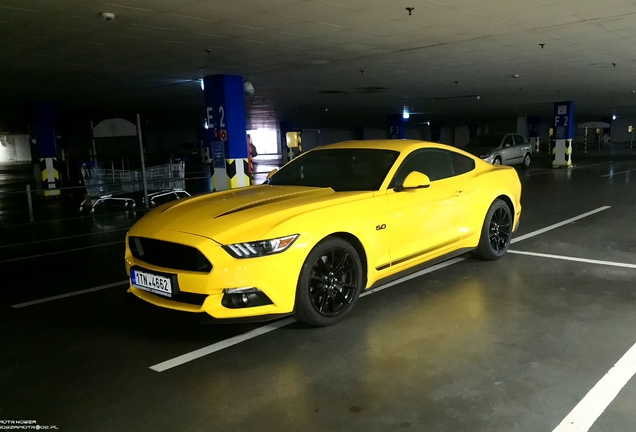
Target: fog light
[(236, 298)]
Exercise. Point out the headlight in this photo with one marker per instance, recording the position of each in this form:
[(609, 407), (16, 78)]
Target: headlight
[(260, 248), (485, 156)]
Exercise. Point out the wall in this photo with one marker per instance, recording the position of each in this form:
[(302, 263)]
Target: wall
[(462, 136), (522, 126), (373, 134), (447, 136), (318, 137), (15, 148), (619, 129), (502, 125)]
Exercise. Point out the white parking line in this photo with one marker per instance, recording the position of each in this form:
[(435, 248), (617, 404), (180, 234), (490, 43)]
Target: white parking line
[(568, 258), (71, 294), (558, 225), (552, 170), (185, 358), (61, 252), (589, 409), (617, 173), (177, 361)]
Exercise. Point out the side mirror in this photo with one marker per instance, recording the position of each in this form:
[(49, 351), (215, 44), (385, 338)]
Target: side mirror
[(271, 173), (415, 180)]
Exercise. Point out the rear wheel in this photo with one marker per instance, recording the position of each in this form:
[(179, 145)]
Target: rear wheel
[(526, 161), (496, 232), (329, 284)]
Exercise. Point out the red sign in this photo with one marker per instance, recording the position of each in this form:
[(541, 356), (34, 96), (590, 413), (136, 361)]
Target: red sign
[(223, 134)]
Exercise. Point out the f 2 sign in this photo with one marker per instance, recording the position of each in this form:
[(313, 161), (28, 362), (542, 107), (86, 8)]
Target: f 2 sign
[(563, 120)]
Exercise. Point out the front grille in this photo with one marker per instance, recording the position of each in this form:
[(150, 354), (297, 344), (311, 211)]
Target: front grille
[(168, 255)]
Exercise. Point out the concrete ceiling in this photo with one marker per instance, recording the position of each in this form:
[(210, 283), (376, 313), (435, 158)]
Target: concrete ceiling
[(324, 62)]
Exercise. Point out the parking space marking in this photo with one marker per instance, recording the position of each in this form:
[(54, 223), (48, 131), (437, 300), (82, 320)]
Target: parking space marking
[(617, 173), (64, 238), (590, 408), (67, 295), (185, 358), (569, 258), (558, 225), (413, 276), (552, 170), (61, 252)]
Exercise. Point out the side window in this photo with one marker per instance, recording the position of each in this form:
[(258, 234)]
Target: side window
[(519, 140), (462, 164), (508, 141), (437, 164)]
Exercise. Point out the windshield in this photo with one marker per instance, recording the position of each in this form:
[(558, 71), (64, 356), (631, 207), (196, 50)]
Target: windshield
[(485, 141), (340, 169)]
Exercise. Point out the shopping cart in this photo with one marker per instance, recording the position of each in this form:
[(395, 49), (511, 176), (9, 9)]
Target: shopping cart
[(164, 180), (103, 184)]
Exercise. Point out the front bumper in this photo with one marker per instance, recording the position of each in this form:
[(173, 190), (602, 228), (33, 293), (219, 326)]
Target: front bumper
[(275, 275)]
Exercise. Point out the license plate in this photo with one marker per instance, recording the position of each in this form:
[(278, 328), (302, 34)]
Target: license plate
[(151, 282)]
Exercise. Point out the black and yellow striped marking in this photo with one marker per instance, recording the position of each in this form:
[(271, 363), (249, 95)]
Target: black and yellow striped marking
[(50, 176)]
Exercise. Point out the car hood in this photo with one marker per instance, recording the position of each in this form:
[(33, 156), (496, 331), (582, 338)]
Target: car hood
[(478, 151), (240, 215)]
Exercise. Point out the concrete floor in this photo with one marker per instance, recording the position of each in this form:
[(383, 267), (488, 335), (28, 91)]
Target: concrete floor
[(511, 345)]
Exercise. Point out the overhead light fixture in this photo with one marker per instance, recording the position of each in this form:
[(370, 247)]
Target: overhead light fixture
[(614, 117), (202, 84), (405, 114), (248, 89), (206, 125)]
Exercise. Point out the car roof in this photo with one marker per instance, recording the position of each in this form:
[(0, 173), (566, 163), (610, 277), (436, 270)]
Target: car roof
[(386, 144)]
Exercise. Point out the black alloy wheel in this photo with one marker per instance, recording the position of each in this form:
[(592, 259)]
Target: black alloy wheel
[(329, 284), (496, 232)]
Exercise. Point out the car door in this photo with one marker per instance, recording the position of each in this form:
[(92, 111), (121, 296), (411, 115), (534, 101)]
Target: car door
[(507, 150), (425, 222), (520, 148)]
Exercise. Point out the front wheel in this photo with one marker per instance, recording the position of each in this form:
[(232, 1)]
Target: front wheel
[(526, 161), (329, 284), (497, 161), (496, 232)]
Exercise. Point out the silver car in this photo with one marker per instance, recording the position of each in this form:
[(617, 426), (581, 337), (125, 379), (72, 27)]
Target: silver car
[(510, 149)]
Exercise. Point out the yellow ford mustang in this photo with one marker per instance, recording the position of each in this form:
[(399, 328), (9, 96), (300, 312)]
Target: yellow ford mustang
[(328, 225)]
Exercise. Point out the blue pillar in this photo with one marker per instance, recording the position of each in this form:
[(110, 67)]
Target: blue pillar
[(564, 133), (397, 126), (47, 148), (285, 126), (226, 135), (533, 131)]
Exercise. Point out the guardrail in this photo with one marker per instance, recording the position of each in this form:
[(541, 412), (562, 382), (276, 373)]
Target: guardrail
[(30, 190)]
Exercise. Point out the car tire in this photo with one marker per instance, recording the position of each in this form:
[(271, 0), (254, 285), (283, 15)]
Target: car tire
[(496, 232), (329, 284), (527, 160), (497, 161)]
